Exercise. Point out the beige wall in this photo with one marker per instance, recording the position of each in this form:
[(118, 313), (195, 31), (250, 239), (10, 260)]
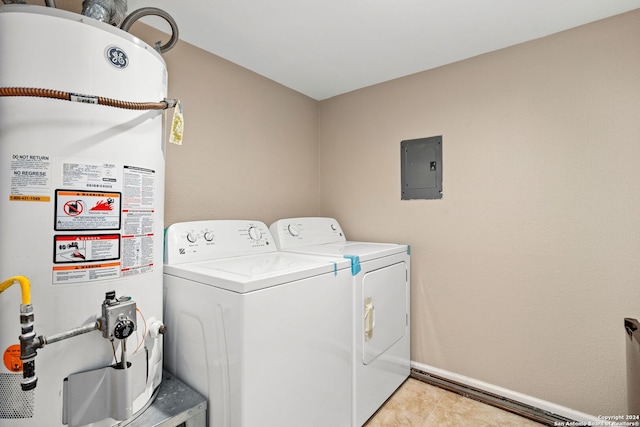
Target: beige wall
[(250, 147), (250, 144), (523, 272)]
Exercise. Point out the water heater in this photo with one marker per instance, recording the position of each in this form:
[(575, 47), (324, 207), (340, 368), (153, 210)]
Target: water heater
[(81, 218)]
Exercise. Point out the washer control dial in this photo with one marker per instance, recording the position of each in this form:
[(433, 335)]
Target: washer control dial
[(255, 233), (191, 237), (208, 236), (293, 230)]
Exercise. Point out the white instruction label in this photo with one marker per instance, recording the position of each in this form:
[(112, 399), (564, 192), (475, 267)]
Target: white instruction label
[(137, 255), (94, 177), (139, 188), (30, 178), (85, 273), (138, 222), (138, 198)]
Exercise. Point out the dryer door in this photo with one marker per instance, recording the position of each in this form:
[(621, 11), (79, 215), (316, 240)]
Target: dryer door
[(384, 315)]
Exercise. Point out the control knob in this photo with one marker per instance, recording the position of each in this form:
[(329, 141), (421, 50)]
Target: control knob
[(191, 237), (208, 236), (293, 230), (255, 233), (124, 328)]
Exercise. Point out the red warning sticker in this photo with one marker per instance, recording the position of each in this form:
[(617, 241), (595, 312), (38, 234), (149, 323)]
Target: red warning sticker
[(87, 210), (11, 358)]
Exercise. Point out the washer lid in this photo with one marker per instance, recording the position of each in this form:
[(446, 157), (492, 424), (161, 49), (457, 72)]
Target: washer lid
[(365, 251), (249, 273)]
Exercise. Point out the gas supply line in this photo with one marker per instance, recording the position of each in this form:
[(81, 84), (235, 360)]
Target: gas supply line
[(25, 286), (27, 335)]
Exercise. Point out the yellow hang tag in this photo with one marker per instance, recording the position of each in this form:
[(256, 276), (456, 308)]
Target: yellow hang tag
[(177, 125)]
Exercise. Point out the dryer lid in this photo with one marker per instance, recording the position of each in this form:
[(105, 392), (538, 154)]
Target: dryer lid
[(365, 251)]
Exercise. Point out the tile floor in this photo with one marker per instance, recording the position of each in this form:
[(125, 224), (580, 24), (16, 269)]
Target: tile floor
[(418, 404)]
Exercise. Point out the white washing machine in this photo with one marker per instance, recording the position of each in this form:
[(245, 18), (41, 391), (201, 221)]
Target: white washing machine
[(265, 335), (381, 300)]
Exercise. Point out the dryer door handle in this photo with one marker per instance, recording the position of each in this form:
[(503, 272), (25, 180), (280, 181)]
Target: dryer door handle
[(369, 318)]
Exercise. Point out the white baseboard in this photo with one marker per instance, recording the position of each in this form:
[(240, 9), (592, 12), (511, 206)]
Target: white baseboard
[(509, 394)]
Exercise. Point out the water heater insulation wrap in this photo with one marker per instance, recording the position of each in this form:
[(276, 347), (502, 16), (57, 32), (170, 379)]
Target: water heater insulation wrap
[(81, 203)]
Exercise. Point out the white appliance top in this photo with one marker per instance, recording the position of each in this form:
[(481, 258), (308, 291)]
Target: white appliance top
[(237, 255), (324, 236)]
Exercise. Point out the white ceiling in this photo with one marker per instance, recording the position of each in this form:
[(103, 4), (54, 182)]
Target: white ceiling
[(323, 48)]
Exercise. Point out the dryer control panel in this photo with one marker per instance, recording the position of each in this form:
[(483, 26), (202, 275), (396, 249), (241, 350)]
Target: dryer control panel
[(213, 239), (292, 233)]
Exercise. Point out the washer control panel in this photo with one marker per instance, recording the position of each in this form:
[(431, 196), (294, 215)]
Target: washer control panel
[(291, 233), (207, 240)]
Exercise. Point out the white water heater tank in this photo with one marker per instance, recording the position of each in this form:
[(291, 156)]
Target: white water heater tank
[(81, 215)]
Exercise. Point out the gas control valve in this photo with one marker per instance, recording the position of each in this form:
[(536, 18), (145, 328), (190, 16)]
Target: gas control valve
[(118, 316)]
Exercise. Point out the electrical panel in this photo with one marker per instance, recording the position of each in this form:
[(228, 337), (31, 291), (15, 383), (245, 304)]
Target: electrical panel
[(421, 168)]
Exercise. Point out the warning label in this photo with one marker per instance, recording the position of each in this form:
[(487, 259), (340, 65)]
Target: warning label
[(85, 273), (30, 178), (86, 248), (83, 210), (11, 358)]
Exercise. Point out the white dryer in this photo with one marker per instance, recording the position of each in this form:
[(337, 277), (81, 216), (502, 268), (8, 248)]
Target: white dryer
[(265, 335), (381, 301)]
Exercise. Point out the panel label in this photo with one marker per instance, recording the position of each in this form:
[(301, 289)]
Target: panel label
[(85, 273), (94, 177), (86, 248), (11, 358), (30, 178), (83, 210), (138, 194)]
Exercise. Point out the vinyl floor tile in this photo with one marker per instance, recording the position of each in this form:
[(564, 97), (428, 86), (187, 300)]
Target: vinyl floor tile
[(418, 404)]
